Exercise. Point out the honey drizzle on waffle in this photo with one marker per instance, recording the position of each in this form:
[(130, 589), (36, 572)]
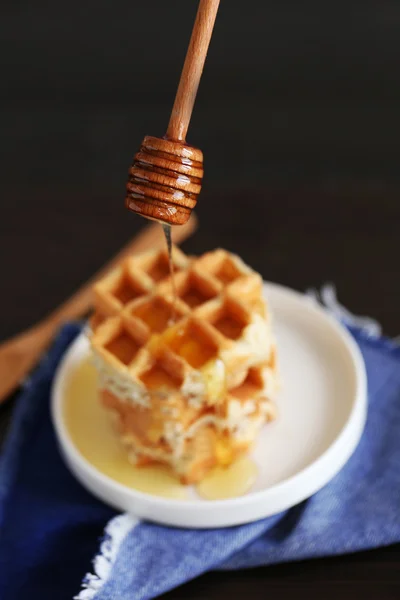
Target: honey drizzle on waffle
[(168, 239), (193, 394)]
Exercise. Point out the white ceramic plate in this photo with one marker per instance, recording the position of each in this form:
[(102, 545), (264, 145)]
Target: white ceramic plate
[(322, 411)]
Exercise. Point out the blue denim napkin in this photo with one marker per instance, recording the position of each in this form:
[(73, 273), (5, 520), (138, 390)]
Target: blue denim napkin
[(50, 527)]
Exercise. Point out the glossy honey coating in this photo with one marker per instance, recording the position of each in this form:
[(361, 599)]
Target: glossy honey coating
[(193, 393), (165, 180)]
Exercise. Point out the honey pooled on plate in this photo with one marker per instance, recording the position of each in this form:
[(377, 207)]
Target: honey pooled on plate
[(91, 430), (229, 482)]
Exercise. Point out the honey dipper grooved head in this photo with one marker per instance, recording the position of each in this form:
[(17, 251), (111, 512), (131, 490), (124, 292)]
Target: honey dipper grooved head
[(165, 180)]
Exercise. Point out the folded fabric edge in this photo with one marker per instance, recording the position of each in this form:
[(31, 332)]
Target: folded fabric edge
[(114, 534), (367, 327)]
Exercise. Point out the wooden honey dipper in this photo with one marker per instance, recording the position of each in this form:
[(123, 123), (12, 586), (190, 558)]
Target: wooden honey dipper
[(166, 175)]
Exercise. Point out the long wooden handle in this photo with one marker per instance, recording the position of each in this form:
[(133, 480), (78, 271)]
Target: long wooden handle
[(192, 70), (151, 237)]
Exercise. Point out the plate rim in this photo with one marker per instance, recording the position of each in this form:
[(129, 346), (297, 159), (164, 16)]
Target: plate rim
[(354, 424)]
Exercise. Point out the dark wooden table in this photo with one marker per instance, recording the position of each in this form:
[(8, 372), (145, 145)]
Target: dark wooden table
[(298, 119)]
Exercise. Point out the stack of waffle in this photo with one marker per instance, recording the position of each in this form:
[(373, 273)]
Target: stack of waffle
[(190, 383)]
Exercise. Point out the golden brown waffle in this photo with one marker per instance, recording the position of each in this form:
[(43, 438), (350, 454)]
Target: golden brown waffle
[(135, 278), (193, 393)]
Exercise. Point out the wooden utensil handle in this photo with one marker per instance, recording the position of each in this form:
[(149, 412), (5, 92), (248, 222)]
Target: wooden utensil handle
[(192, 70)]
